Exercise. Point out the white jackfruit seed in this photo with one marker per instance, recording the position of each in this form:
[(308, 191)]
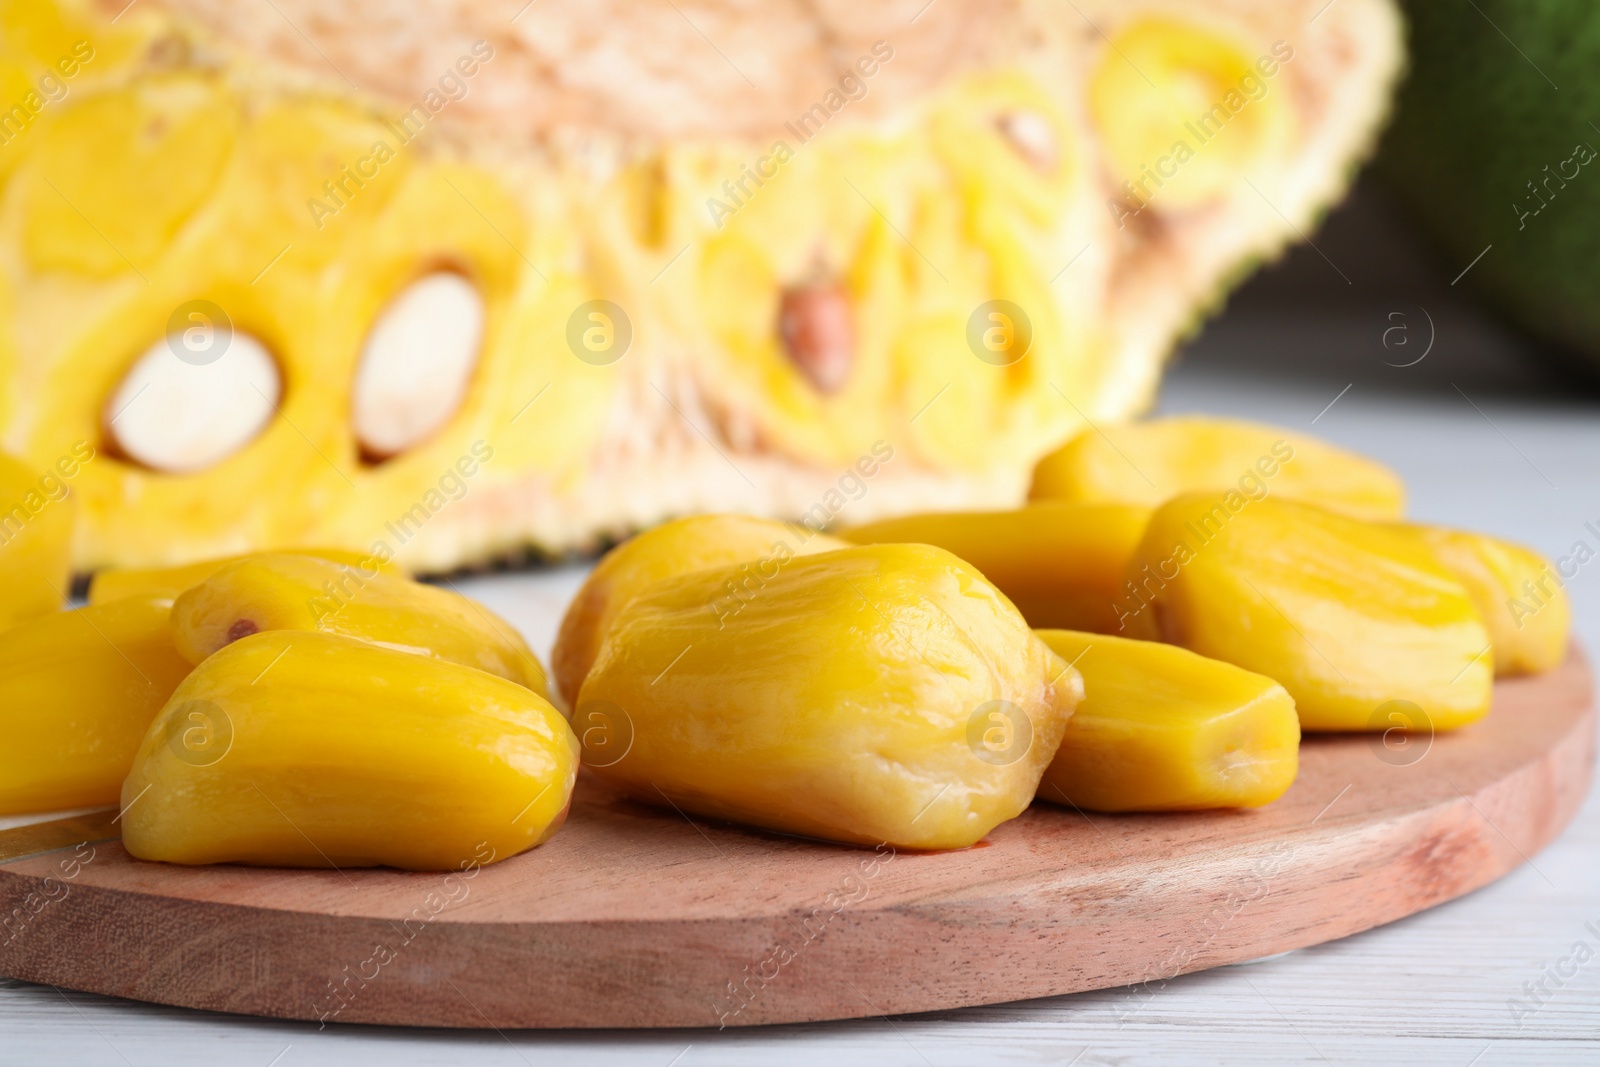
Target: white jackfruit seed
[(181, 415), (417, 363)]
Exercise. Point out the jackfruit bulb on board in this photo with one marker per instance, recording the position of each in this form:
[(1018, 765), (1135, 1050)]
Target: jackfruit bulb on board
[(450, 281)]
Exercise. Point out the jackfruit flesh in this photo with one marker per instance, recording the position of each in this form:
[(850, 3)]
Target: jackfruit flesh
[(314, 750), (1162, 729), (683, 546), (283, 591), (522, 308), (876, 694), (1152, 461), (170, 582), (1062, 564), (1349, 616), (1185, 112), (1520, 595), (36, 517), (78, 689)]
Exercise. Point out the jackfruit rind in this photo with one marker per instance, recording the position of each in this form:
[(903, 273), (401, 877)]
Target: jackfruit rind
[(1514, 224)]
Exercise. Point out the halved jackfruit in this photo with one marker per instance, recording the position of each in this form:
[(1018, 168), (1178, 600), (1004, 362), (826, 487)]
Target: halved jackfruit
[(706, 283)]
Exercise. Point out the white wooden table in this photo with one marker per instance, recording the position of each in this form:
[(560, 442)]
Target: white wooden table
[(1483, 443)]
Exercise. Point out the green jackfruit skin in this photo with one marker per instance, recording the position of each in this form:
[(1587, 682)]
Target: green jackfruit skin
[(1476, 123)]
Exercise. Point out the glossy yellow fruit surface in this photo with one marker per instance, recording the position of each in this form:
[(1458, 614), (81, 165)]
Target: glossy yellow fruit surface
[(666, 551), (885, 693), (1162, 729), (309, 750), (36, 514), (1061, 563), (1519, 593), (1184, 110), (1150, 462), (1348, 615), (77, 691), (171, 582), (289, 592)]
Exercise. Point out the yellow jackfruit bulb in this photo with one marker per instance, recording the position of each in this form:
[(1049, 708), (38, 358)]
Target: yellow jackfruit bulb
[(1184, 110), (880, 694), (1350, 616), (668, 550), (1150, 462), (313, 750), (77, 691), (1060, 563), (1162, 729), (36, 515), (172, 582), (280, 591), (1518, 592)]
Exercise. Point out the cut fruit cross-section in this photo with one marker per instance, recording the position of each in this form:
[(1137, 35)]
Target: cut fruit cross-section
[(905, 247)]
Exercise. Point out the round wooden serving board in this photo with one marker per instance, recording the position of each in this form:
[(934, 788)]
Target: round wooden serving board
[(635, 916)]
